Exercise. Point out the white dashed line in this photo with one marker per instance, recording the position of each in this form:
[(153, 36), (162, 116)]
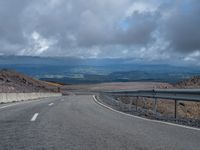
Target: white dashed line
[(51, 104), (34, 117)]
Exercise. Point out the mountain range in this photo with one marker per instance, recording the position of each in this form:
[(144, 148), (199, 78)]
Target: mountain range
[(79, 70)]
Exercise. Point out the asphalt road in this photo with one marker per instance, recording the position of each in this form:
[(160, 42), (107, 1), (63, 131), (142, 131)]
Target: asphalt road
[(79, 123)]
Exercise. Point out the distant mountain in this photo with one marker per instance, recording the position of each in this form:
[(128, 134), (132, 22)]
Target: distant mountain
[(129, 76), (70, 70), (12, 81), (67, 61)]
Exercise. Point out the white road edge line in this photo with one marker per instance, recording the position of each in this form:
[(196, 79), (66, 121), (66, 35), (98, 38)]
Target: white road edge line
[(34, 117), (156, 121), (8, 106), (51, 104), (18, 103)]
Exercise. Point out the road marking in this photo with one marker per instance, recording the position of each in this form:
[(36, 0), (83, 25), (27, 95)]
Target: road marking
[(51, 104), (8, 106), (34, 117), (155, 121), (19, 103)]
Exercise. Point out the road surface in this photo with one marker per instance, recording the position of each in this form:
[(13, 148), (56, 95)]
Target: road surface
[(79, 123)]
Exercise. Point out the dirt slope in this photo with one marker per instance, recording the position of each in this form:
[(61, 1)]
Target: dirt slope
[(12, 81), (193, 82)]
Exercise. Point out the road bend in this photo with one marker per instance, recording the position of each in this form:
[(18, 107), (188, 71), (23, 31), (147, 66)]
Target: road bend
[(79, 123)]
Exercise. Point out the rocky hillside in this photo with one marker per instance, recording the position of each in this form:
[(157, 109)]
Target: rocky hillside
[(12, 81), (193, 82)]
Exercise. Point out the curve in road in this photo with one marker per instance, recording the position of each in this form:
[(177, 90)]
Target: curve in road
[(78, 122)]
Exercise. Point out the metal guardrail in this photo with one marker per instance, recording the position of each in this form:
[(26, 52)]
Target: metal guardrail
[(171, 94), (167, 94)]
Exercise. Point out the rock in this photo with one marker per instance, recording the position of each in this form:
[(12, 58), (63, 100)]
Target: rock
[(12, 81)]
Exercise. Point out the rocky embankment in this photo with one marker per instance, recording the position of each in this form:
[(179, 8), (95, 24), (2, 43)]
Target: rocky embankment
[(193, 82), (14, 82)]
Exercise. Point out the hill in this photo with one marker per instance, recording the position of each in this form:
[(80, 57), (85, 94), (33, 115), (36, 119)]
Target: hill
[(193, 82), (12, 81)]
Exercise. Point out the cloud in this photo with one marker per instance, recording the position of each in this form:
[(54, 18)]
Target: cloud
[(150, 30), (37, 45), (183, 26)]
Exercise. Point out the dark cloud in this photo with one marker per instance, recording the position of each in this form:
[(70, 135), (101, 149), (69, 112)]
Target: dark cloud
[(139, 30), (101, 28), (183, 26)]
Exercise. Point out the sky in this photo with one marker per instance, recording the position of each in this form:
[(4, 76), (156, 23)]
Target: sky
[(149, 30)]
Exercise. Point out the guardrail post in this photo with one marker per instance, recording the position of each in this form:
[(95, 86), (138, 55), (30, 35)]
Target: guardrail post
[(155, 106), (130, 105), (175, 108), (120, 105), (136, 104), (144, 99)]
